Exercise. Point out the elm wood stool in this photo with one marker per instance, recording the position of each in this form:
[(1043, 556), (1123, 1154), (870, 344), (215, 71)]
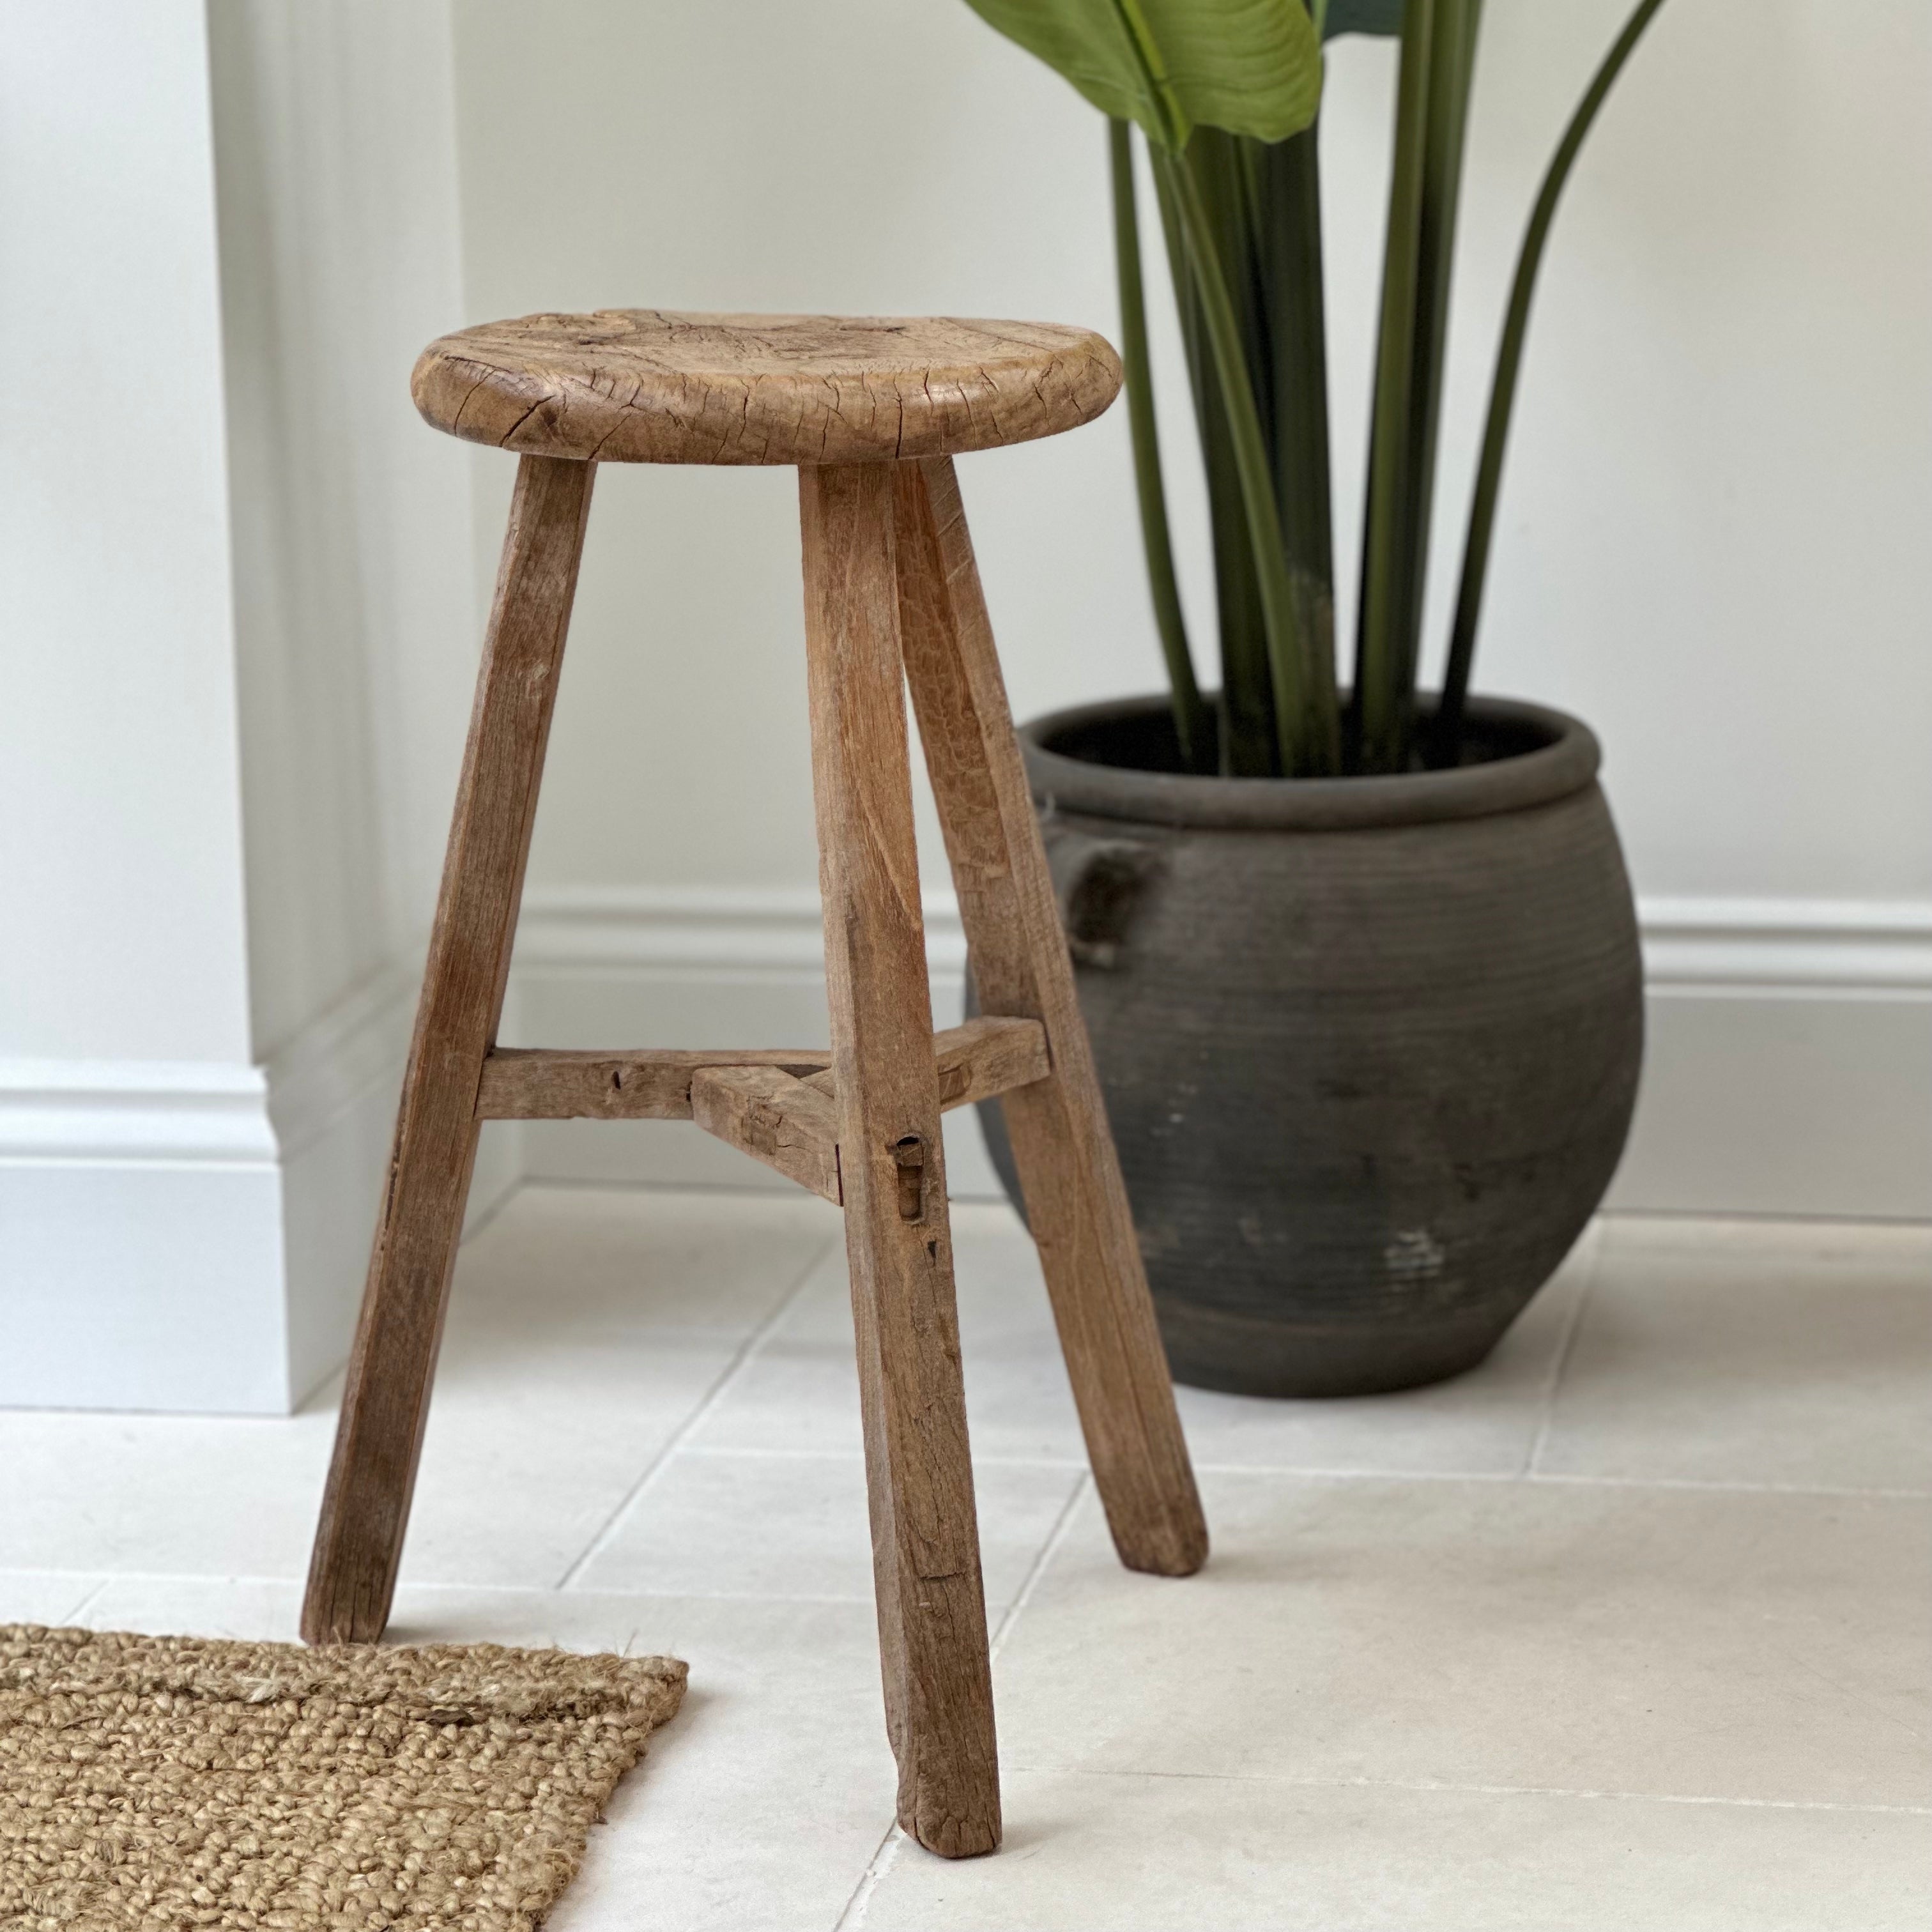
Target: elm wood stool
[(871, 413)]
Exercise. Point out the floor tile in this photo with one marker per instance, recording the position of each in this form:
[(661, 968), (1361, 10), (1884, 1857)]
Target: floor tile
[(1765, 1352), (1485, 1423), (802, 1388), (576, 1350), (588, 1326), (580, 1263), (1677, 1678), (1154, 1854), (254, 1610), (778, 1525), (51, 1597), (525, 1463), (1678, 1642), (162, 1492), (758, 1807)]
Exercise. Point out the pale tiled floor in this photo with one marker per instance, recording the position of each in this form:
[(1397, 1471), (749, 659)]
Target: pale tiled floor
[(1630, 1629)]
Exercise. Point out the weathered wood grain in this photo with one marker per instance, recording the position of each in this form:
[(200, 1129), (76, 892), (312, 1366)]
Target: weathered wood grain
[(794, 1124), (932, 1623), (644, 385), (974, 1062), (989, 1054), (366, 1506), (985, 1057), (763, 1111), (1075, 1202), (651, 1083)]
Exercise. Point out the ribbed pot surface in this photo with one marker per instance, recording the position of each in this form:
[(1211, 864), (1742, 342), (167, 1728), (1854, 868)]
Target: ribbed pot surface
[(1370, 1046)]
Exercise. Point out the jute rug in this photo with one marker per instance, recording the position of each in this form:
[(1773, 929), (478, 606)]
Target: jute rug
[(150, 1784)]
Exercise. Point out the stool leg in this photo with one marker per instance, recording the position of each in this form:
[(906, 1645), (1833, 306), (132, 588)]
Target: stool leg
[(1075, 1202), (926, 1548), (366, 1507)]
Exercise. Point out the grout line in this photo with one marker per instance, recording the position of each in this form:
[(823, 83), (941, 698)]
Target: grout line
[(1547, 1404), (1343, 1473), (83, 1572), (1762, 1217), (431, 1586), (592, 1594), (1727, 1488), (882, 1861), (1048, 1550), (80, 1609), (1486, 1790), (1312, 1472), (293, 1580), (747, 1350), (762, 1453)]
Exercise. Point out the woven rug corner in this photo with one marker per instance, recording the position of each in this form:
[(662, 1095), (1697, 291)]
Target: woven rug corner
[(149, 1782)]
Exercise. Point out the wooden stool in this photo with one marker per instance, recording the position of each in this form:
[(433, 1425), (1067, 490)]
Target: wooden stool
[(871, 413)]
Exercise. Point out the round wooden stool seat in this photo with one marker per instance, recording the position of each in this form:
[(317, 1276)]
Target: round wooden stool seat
[(641, 386)]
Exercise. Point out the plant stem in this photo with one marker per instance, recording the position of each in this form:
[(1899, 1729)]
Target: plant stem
[(1310, 743), (1289, 199), (1451, 72), (1386, 520), (1190, 714), (1437, 61), (1245, 701), (1446, 739), (1217, 164)]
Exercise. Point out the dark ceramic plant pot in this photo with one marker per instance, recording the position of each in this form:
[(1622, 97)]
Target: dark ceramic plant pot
[(1370, 1046)]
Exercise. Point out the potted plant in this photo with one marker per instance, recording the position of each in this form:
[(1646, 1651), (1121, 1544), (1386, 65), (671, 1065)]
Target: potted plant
[(1359, 962)]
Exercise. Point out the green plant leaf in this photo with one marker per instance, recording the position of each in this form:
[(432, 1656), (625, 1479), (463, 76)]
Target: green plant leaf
[(1253, 67), (1362, 16)]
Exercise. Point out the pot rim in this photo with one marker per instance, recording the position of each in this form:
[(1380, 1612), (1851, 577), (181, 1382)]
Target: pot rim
[(1566, 762)]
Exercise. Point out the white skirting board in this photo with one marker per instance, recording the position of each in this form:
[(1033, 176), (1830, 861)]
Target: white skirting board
[(193, 1238), (141, 1239), (1789, 1069), (1789, 1065)]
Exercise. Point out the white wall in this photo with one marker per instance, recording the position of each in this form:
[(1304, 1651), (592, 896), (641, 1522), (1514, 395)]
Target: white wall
[(1712, 543), (132, 1117), (242, 628), (116, 554), (244, 583), (356, 601)]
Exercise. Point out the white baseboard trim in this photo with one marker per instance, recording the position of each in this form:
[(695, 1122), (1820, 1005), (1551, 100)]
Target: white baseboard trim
[(1830, 949), (730, 928), (207, 1224), (694, 967), (204, 1224), (332, 1099), (203, 1112), (1789, 1067)]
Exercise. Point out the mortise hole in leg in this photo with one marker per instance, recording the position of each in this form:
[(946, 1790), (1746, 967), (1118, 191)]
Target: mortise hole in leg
[(909, 1154)]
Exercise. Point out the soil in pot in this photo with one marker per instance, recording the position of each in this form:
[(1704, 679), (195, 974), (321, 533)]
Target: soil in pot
[(1370, 1046)]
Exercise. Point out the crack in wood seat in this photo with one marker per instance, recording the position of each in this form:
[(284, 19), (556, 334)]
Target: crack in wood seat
[(646, 385)]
